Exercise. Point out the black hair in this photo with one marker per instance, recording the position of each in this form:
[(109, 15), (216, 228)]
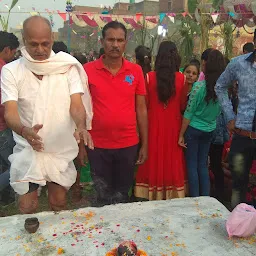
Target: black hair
[(143, 57), (59, 46), (214, 67), (114, 25), (81, 58), (167, 64), (205, 54), (226, 59), (195, 62), (248, 47), (192, 64), (138, 48), (102, 52), (8, 40)]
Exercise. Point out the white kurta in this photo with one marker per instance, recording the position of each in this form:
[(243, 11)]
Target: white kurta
[(45, 102)]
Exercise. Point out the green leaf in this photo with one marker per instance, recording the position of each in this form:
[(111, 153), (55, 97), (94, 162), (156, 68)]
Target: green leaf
[(192, 5), (14, 2), (217, 3)]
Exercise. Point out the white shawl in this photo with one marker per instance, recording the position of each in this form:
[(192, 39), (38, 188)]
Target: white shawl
[(52, 109)]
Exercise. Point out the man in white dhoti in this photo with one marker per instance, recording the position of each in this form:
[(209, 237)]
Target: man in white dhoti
[(48, 107)]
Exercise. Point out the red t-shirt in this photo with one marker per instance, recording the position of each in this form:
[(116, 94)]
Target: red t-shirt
[(3, 125), (114, 122)]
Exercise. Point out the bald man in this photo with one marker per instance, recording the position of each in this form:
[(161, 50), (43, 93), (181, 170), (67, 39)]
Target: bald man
[(48, 107)]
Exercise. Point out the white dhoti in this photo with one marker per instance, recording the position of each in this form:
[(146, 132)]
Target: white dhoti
[(52, 109)]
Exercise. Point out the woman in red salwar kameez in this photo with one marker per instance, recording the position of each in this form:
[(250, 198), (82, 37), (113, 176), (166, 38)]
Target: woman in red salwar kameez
[(163, 174)]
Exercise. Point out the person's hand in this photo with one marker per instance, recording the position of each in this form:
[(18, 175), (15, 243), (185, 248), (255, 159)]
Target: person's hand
[(82, 158), (83, 134), (32, 137), (181, 142), (143, 155), (231, 126)]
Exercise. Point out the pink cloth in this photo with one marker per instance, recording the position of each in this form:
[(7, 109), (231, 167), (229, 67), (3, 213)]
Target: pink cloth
[(201, 77), (242, 221), (3, 125)]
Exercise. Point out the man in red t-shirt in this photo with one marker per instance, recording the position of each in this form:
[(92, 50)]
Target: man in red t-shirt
[(8, 45), (118, 93)]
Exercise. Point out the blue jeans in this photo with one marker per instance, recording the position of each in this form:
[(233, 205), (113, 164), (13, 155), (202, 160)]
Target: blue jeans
[(6, 149), (198, 145)]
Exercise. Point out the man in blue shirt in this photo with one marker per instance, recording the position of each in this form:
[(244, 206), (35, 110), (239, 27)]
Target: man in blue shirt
[(242, 125)]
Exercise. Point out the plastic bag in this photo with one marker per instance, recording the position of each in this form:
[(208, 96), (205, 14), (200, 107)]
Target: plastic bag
[(242, 221)]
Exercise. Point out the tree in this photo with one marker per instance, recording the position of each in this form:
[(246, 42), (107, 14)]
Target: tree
[(217, 3), (227, 32), (188, 29), (5, 21), (145, 36), (190, 6)]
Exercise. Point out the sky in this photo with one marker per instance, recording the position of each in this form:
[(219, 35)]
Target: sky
[(18, 16)]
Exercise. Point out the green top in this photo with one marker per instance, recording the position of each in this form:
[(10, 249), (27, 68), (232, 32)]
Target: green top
[(202, 116)]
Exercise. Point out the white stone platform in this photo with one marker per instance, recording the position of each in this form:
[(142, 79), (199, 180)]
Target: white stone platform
[(180, 227)]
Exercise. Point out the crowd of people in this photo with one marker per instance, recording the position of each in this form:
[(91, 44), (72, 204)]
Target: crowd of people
[(166, 131)]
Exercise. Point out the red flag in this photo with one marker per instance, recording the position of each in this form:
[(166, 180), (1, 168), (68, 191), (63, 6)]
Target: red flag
[(63, 15), (138, 16), (184, 14)]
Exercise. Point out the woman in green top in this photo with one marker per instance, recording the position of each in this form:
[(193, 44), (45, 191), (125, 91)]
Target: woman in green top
[(199, 123)]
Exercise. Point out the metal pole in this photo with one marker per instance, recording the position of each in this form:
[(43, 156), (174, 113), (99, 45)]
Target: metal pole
[(69, 9), (69, 33)]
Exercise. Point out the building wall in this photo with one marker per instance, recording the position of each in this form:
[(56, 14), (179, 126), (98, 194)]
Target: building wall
[(120, 9), (171, 5), (78, 8), (146, 7)]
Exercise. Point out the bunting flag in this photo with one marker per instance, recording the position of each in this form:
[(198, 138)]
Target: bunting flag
[(215, 17), (231, 14), (171, 18), (62, 15), (34, 13), (138, 16), (172, 14), (100, 20), (51, 20), (161, 16), (184, 14)]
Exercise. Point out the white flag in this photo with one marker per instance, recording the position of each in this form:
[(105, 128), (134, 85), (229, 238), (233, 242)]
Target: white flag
[(171, 18), (215, 17)]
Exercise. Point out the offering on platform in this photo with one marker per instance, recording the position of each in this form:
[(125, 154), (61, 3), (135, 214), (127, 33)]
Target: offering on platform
[(126, 248), (31, 225)]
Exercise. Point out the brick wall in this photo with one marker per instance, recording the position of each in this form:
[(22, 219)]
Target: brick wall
[(171, 5)]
